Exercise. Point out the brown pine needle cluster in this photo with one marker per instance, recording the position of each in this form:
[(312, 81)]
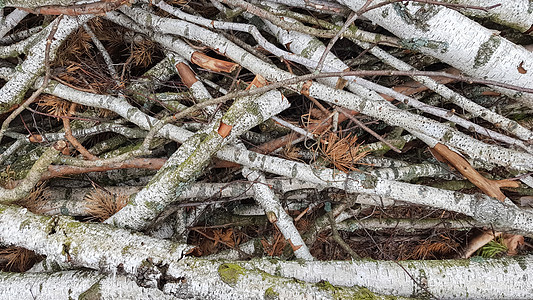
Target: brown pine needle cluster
[(36, 200), (210, 240), (101, 204), (343, 153), (53, 105), (77, 45), (17, 259), (7, 178), (141, 53), (435, 249), (275, 245)]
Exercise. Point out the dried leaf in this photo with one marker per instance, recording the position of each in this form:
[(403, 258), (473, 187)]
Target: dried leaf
[(521, 69), (512, 242), (213, 64)]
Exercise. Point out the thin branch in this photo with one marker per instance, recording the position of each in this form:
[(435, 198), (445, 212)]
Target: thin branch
[(46, 79)]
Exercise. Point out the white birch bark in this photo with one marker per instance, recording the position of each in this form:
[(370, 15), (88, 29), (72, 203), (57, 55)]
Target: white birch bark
[(187, 163), (215, 279), (95, 246), (508, 217), (507, 278), (36, 3), (517, 14), (73, 285), (475, 109), (407, 225), (276, 214), (12, 92), (456, 40), (504, 217), (11, 20), (379, 109), (69, 201), (107, 249), (484, 209), (312, 48), (146, 259), (32, 178), (411, 172)]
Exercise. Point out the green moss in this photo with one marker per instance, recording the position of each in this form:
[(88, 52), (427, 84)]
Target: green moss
[(51, 266), (93, 293), (66, 248), (420, 19), (126, 249), (154, 205), (270, 294), (23, 163), (73, 225), (520, 260), (325, 285), (418, 43), (486, 50), (230, 273), (358, 293), (311, 48), (26, 224)]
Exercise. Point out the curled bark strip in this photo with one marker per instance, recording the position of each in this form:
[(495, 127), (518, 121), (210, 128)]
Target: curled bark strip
[(186, 74), (259, 81), (224, 129), (305, 87), (489, 187), (341, 82), (479, 241), (213, 64), (96, 8)]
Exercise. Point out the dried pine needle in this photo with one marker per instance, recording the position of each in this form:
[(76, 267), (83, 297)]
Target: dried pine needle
[(342, 153), (101, 204)]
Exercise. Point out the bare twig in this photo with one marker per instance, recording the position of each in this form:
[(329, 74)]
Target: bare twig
[(46, 79)]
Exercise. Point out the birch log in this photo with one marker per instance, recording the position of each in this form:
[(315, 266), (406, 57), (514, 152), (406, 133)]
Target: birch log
[(516, 14), (456, 40), (482, 208), (401, 191), (33, 66), (379, 109), (108, 249), (187, 163), (73, 285)]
